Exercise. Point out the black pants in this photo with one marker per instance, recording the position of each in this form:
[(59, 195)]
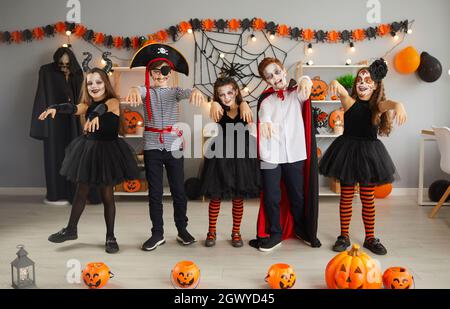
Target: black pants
[(292, 174), (154, 162)]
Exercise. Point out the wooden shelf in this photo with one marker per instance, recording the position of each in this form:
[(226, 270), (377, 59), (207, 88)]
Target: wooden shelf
[(132, 136), (327, 102), (337, 66), (328, 135), (127, 69)]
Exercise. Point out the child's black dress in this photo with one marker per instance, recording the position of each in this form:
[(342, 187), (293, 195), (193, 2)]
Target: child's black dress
[(101, 157), (231, 167), (358, 156)]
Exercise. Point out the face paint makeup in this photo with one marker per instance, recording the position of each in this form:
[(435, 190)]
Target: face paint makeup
[(365, 86), (227, 95), (275, 76), (95, 86)]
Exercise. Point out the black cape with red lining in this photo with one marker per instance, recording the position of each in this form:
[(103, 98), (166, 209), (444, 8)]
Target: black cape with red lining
[(308, 228)]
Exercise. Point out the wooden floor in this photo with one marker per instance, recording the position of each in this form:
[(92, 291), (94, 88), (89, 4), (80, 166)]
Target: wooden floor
[(412, 239)]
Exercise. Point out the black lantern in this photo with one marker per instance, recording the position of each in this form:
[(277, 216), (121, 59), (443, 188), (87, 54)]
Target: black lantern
[(22, 271)]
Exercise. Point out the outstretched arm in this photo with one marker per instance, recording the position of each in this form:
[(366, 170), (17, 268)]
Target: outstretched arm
[(63, 108), (398, 108), (337, 89)]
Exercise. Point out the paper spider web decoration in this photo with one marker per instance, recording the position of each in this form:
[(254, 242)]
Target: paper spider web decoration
[(228, 57)]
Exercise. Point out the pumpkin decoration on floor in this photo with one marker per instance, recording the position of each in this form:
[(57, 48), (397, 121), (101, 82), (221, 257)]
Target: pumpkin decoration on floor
[(353, 269), (132, 186), (130, 121), (398, 278), (185, 275), (319, 89), (383, 191), (96, 275), (281, 276)]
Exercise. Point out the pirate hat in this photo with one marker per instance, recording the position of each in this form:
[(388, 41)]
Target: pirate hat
[(153, 52)]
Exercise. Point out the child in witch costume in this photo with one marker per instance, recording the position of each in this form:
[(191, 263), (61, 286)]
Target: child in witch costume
[(288, 154), (98, 158), (358, 156), (230, 173)]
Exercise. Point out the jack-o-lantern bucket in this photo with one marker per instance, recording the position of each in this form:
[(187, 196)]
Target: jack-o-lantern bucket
[(185, 275), (398, 278), (353, 269), (281, 276), (319, 90), (96, 275)]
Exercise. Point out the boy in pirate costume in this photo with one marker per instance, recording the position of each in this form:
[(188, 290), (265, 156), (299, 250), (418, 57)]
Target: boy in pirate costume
[(163, 142), (288, 154)]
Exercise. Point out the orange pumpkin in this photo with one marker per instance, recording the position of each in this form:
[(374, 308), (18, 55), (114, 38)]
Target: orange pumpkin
[(383, 190), (132, 186), (398, 278), (353, 269), (319, 89), (130, 121), (407, 61), (336, 115), (185, 275), (96, 275), (280, 276)]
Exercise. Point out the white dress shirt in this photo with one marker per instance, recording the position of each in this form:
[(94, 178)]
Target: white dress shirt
[(287, 143)]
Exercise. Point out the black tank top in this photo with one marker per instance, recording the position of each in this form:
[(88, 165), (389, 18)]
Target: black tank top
[(109, 125), (358, 121)]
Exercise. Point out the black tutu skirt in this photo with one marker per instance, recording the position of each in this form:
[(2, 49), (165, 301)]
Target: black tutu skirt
[(231, 178), (353, 160), (99, 162)]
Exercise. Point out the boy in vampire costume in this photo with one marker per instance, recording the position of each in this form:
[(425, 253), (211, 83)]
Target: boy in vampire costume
[(288, 153), (163, 141)]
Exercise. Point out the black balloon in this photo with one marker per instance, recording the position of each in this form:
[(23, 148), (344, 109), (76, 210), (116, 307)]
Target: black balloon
[(437, 190), (430, 69)]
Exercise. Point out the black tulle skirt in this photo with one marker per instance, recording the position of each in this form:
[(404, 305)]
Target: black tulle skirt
[(99, 162), (353, 160), (231, 178)]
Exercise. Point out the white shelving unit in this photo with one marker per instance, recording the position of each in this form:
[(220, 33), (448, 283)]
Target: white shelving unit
[(303, 68)]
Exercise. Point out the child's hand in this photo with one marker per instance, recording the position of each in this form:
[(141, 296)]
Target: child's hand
[(400, 114), (134, 97), (266, 130), (50, 111), (216, 112), (246, 112), (304, 87), (334, 88), (92, 125), (197, 98)]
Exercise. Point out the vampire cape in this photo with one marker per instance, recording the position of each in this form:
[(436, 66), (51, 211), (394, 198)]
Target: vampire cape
[(308, 228), (59, 132)]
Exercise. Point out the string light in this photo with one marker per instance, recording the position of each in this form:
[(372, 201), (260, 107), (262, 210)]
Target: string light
[(103, 62), (68, 33), (65, 45), (310, 62), (253, 37), (272, 36), (246, 89), (410, 31), (189, 31), (222, 55), (352, 47), (396, 37), (310, 49), (348, 61)]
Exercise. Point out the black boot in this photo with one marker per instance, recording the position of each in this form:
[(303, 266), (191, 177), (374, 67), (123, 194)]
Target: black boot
[(111, 245), (63, 235)]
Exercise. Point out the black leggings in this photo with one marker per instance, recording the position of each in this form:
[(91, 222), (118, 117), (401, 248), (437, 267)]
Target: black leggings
[(79, 203)]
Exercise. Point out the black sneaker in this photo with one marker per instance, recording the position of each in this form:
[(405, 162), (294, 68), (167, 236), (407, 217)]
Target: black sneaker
[(63, 235), (256, 243), (314, 244), (341, 244), (236, 240), (153, 242), (210, 240), (111, 245), (272, 243), (375, 246), (185, 238)]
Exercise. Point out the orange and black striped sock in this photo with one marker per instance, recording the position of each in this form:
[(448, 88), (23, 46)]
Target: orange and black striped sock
[(238, 212), (213, 213), (345, 208), (368, 210)]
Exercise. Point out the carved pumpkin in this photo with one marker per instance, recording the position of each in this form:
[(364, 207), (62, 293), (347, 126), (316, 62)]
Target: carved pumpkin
[(398, 278), (132, 186), (185, 275), (353, 269), (383, 190), (131, 119), (336, 116), (319, 89), (281, 276), (96, 275)]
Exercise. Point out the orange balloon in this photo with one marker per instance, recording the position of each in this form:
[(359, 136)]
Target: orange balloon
[(383, 190), (407, 61)]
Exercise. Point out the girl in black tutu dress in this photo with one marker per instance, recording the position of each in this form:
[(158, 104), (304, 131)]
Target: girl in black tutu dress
[(231, 167), (358, 156), (98, 158)]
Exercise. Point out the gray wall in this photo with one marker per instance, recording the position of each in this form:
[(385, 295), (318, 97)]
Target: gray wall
[(21, 160)]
